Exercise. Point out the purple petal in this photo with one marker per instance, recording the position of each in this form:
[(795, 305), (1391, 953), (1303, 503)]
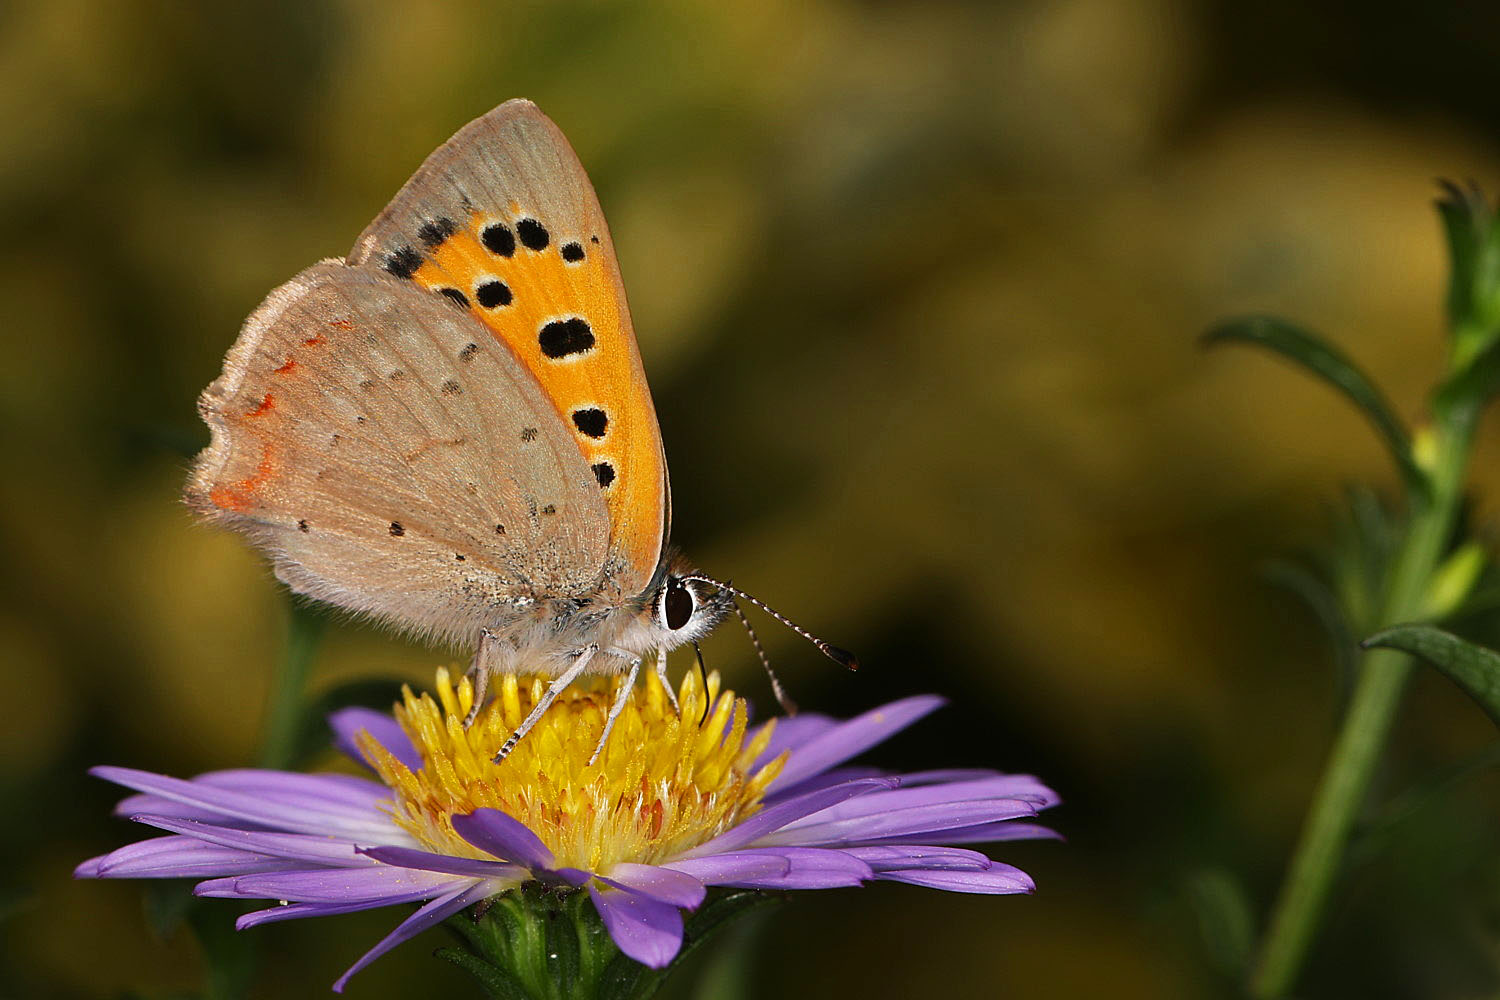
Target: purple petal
[(406, 857), (808, 868), (828, 779), (360, 795), (293, 846), (335, 885), (722, 869), (646, 930), (295, 911), (847, 739), (664, 884), (776, 816), (175, 857), (982, 784), (898, 858), (342, 797), (346, 723), (504, 836), (947, 774), (982, 833), (433, 913), (791, 732), (926, 822), (573, 876), (1001, 789), (996, 880), (295, 817)]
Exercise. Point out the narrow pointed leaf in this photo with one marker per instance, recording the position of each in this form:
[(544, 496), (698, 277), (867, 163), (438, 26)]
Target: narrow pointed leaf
[(1329, 364), (1324, 604), (1465, 393), (1471, 667)]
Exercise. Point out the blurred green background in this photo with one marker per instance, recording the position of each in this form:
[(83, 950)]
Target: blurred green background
[(917, 285)]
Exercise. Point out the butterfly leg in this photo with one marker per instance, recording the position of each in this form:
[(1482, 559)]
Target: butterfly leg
[(558, 687), (666, 685), (619, 705), (479, 674)]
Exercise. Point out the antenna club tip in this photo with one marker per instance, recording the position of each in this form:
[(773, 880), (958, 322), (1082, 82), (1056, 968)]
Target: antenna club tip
[(842, 657)]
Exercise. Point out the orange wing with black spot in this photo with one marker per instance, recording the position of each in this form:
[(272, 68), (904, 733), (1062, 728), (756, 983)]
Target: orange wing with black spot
[(502, 221)]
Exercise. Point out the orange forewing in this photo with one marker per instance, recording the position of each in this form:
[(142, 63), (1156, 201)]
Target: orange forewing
[(544, 287)]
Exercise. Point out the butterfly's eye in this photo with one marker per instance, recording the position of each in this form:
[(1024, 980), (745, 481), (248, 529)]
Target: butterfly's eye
[(676, 604)]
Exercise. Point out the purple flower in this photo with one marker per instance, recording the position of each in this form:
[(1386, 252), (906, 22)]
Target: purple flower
[(670, 808)]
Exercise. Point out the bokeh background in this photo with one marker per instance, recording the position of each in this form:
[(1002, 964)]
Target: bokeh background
[(918, 286)]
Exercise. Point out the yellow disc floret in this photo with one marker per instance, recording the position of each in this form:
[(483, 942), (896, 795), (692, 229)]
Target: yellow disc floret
[(664, 783)]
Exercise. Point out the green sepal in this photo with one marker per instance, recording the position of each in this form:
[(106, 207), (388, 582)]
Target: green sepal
[(548, 943), (1471, 667), (1329, 364)]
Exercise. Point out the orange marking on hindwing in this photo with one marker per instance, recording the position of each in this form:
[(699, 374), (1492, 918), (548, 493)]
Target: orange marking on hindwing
[(288, 368), (318, 340), (265, 406), (237, 496)]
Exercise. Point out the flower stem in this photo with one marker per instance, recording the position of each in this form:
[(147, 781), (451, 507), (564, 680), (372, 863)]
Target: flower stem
[(1325, 834), (288, 686)]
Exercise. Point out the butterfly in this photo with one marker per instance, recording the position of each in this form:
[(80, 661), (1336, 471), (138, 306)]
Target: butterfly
[(450, 429)]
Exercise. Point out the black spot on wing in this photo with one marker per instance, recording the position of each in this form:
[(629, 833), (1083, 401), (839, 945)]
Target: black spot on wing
[(604, 472), (572, 252), (528, 434), (452, 388), (468, 352), (562, 338), (403, 262), (591, 420), (533, 234), (493, 294), (498, 239), (302, 526), (458, 298), (435, 232), (396, 529)]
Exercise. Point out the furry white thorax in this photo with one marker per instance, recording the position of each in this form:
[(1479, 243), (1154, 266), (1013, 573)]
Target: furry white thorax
[(546, 636)]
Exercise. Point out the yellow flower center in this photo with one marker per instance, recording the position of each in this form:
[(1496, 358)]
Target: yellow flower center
[(664, 783)]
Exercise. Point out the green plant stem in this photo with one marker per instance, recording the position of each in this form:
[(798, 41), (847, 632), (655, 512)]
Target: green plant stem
[(288, 686), (1377, 695)]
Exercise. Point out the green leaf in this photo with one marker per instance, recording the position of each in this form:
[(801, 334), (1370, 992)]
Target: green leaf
[(1474, 282), (1471, 667), (1324, 604), (1465, 393), (1466, 221), (1417, 802), (1325, 361), (1224, 919)]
